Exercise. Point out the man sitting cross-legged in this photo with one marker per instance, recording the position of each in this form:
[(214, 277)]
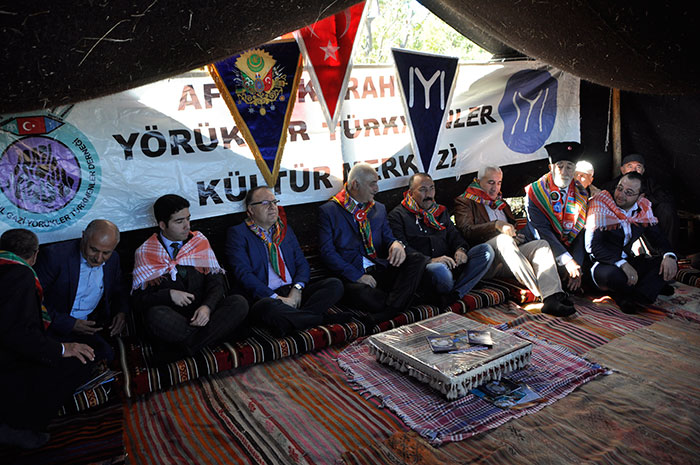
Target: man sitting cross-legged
[(613, 224), (179, 285), (482, 215), (426, 228), (269, 265)]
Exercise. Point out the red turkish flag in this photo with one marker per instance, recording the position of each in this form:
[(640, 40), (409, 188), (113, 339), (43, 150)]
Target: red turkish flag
[(31, 125), (328, 46)]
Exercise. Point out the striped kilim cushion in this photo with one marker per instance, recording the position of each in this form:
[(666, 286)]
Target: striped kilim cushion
[(689, 276), (143, 373), (90, 398)]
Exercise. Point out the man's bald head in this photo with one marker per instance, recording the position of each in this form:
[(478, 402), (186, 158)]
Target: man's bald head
[(99, 240)]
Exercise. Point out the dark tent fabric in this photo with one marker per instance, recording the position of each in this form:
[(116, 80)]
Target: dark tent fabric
[(63, 52), (57, 53)]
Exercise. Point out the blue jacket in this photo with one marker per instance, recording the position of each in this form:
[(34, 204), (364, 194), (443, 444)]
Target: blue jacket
[(58, 268), (248, 258), (340, 242)]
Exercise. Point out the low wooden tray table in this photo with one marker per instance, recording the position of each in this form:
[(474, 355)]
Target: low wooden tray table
[(406, 348)]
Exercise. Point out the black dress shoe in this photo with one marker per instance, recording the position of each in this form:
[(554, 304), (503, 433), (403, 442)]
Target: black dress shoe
[(630, 307), (554, 305), (667, 290)]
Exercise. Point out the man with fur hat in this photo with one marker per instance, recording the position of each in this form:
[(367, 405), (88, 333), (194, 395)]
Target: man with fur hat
[(556, 210)]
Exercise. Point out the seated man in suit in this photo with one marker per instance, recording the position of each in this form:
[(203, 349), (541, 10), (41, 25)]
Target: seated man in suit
[(357, 244), (83, 292), (269, 265), (556, 211), (662, 201), (39, 373), (179, 285), (613, 224), (482, 215), (426, 228)]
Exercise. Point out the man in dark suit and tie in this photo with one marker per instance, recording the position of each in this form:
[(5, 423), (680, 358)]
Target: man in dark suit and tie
[(358, 245), (614, 223), (270, 267), (82, 282), (179, 286)]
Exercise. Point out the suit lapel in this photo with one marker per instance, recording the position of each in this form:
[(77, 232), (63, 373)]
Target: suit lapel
[(74, 275)]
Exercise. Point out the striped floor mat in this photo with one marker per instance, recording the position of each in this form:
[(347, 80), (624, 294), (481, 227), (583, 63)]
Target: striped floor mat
[(301, 410), (553, 372), (90, 437)]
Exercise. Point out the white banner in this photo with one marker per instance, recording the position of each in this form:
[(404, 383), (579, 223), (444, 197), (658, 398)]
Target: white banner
[(112, 157)]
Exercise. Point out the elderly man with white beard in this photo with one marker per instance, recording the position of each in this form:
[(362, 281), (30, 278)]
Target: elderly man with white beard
[(556, 207)]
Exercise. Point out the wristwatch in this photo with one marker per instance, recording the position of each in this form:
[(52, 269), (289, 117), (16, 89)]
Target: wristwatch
[(298, 286), (402, 244)]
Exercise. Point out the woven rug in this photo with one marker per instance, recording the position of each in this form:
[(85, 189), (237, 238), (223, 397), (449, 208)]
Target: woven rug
[(684, 303), (90, 437), (553, 373), (298, 410), (645, 413), (301, 410)]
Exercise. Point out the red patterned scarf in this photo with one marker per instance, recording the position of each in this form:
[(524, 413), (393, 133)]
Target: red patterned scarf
[(279, 230), (152, 260), (344, 199), (566, 211), (429, 216), (8, 258), (476, 193), (603, 213)]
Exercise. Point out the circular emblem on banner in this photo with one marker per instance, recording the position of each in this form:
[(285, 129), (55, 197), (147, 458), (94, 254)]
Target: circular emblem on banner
[(555, 196), (528, 109), (49, 173)]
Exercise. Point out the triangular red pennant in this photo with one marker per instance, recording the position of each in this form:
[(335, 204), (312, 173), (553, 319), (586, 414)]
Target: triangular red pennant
[(328, 46), (260, 88)]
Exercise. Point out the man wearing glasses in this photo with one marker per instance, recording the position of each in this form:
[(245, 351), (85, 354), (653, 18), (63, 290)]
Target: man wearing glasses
[(614, 223), (270, 267)]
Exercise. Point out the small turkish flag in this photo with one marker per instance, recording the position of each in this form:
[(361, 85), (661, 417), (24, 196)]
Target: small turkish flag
[(328, 45), (31, 125)]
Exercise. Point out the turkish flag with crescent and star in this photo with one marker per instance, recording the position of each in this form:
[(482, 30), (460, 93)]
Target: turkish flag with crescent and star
[(328, 46)]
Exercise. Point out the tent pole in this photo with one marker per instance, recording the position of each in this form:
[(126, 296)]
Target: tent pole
[(617, 143)]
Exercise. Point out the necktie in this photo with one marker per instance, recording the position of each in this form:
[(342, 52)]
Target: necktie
[(176, 248)]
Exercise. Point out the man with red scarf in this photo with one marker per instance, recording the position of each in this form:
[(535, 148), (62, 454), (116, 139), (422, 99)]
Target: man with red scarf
[(39, 373), (426, 228), (180, 287), (482, 215), (270, 267), (614, 223), (556, 210), (357, 245)]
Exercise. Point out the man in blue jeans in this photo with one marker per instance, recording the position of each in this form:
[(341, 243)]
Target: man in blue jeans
[(425, 227)]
